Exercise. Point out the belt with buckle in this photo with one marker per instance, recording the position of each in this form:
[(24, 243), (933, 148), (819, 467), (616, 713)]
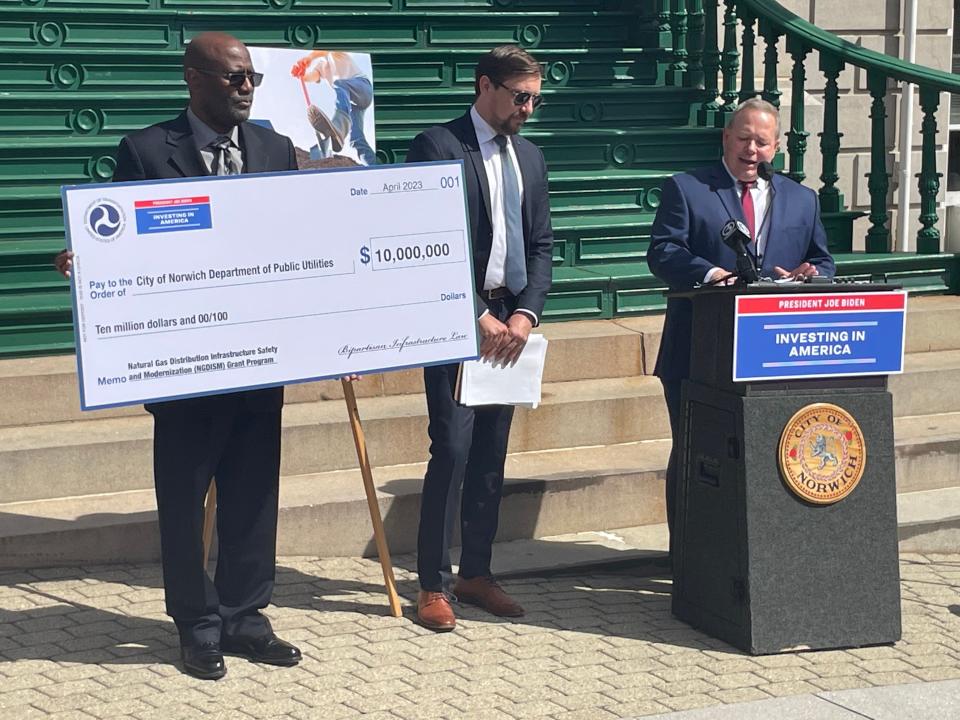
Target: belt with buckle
[(495, 294)]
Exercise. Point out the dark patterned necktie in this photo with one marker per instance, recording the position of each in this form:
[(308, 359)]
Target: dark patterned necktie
[(515, 270), (223, 163)]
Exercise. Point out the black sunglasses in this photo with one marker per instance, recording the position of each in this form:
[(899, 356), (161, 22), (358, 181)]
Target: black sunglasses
[(236, 79), (521, 98)]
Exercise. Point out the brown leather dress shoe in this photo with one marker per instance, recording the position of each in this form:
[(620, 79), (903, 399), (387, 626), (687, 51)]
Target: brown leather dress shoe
[(485, 592), (434, 611)]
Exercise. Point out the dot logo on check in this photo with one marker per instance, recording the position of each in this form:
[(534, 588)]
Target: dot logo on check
[(104, 220)]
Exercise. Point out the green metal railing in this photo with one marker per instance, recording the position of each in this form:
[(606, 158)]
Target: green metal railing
[(698, 60)]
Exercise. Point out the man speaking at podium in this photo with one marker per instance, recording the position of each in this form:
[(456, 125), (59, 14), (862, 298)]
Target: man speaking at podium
[(786, 239)]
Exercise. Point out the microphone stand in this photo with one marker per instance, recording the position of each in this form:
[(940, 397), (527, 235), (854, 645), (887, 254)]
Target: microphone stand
[(746, 270)]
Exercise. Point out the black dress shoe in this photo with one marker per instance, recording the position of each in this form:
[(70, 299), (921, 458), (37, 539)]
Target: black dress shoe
[(204, 661), (266, 648)]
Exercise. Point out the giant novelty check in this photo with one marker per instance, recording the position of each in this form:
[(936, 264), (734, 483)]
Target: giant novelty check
[(205, 285)]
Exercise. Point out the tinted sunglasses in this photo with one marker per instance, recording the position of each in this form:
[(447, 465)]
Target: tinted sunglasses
[(235, 79), (521, 98)]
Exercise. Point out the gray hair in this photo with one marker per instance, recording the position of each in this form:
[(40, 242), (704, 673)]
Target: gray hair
[(758, 104)]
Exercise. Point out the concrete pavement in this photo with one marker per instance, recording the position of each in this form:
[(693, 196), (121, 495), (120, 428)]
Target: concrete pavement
[(92, 642), (918, 701)]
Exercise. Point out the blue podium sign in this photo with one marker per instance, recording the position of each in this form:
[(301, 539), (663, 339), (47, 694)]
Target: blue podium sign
[(781, 337)]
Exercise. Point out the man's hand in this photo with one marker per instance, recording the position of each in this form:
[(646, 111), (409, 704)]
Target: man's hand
[(803, 272), (494, 334), (719, 276), (518, 327), (300, 67), (351, 378), (64, 262)]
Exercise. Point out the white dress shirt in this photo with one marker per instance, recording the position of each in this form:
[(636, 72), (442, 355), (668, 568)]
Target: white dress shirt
[(490, 152), (760, 192)]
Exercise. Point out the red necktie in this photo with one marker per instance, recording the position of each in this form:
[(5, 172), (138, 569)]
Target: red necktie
[(748, 213)]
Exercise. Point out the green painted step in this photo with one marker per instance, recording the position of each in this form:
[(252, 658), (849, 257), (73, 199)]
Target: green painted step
[(32, 279), (286, 8), (13, 146), (36, 304), (589, 223), (36, 323), (35, 161), (162, 29), (111, 70), (600, 148), (585, 250), (919, 273), (577, 293), (24, 339), (614, 289), (57, 116)]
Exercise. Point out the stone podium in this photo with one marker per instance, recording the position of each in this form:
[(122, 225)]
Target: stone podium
[(762, 566)]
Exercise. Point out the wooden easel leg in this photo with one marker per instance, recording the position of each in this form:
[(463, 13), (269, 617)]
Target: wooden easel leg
[(379, 535), (209, 520)]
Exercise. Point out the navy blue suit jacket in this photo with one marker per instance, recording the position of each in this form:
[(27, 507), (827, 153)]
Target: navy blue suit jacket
[(457, 140), (685, 244)]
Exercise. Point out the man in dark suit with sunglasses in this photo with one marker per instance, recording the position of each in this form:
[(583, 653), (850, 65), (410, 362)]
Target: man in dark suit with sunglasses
[(506, 190), (234, 437)]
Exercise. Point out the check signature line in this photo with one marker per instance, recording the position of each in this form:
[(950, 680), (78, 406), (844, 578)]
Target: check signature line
[(263, 320), (438, 341), (241, 284)]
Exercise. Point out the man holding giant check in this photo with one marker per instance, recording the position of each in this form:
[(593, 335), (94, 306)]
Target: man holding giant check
[(234, 436), (210, 274)]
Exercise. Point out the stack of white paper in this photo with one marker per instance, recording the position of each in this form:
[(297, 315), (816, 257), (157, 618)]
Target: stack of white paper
[(485, 383)]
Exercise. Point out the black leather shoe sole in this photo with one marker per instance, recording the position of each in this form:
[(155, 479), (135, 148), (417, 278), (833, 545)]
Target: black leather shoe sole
[(275, 652), (206, 666), (202, 673)]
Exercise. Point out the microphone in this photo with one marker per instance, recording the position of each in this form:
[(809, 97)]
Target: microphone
[(736, 236), (765, 170)]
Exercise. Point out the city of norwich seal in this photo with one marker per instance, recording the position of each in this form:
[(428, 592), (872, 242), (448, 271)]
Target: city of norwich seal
[(822, 454)]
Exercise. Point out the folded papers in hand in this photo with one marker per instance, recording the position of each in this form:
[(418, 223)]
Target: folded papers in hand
[(483, 382)]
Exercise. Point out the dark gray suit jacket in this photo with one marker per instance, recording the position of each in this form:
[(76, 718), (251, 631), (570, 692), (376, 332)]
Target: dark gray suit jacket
[(166, 151)]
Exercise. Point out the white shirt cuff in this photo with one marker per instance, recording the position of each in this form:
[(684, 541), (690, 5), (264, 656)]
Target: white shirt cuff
[(530, 314)]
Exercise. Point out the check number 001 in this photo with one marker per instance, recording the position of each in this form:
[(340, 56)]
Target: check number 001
[(403, 251)]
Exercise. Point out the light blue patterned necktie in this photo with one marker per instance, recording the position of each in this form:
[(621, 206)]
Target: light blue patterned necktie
[(515, 275)]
